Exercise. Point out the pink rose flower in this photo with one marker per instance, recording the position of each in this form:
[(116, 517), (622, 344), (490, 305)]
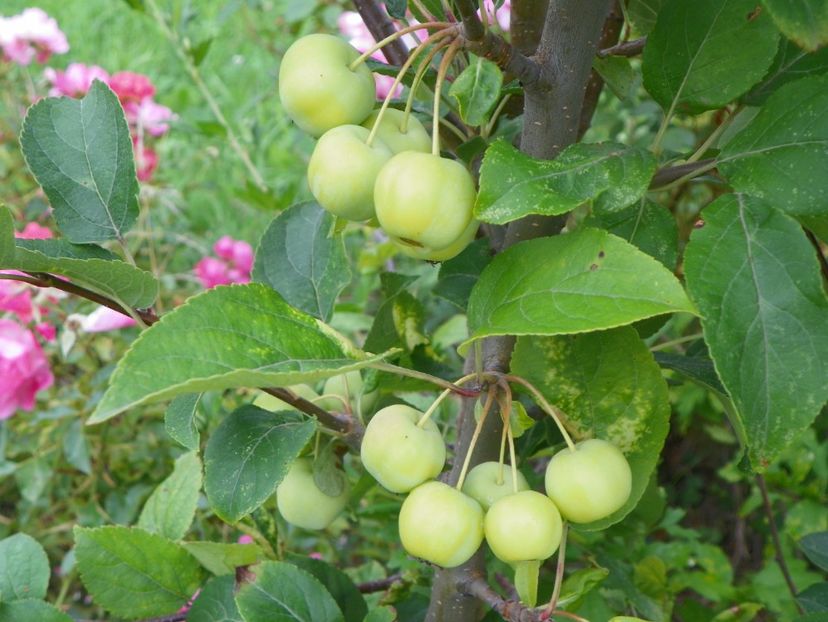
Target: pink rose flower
[(46, 330), (15, 297), (211, 272), (104, 319), (24, 369), (224, 246), (148, 115), (75, 81), (245, 539), (243, 256), (146, 160), (34, 231), (31, 35), (129, 86), (232, 264)]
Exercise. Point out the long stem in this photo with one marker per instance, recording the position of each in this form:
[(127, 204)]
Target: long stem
[(195, 76), (656, 146), (675, 342), (393, 37), (714, 135), (441, 76), (554, 412), (400, 75), (467, 460), (413, 373), (436, 404), (487, 129), (418, 77), (559, 572), (685, 178)]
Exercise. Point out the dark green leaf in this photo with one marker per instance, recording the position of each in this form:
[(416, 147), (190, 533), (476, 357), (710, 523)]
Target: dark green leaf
[(216, 602), (300, 258), (701, 55), (80, 152), (457, 276), (583, 281), (782, 154), (85, 264), (618, 73), (399, 320), (230, 336), (396, 8), (513, 185), (644, 224), (248, 455), (222, 558), (815, 547), (814, 599), (284, 593), (327, 476), (610, 388), (135, 574), (171, 507), (198, 52), (179, 420), (381, 614), (24, 568), (340, 586), (31, 610), (804, 21), (755, 277), (697, 369), (791, 63), (75, 447), (476, 90)]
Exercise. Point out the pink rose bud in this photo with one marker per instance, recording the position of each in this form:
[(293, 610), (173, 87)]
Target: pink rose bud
[(24, 370), (224, 247), (243, 256), (104, 319), (211, 272), (46, 330)]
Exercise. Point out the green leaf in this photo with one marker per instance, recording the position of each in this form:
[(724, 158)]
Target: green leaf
[(327, 476), (222, 558), (610, 388), (179, 420), (476, 90), (381, 614), (815, 547), (583, 281), (338, 584), (743, 612), (248, 455), (80, 152), (814, 599), (284, 593), (396, 8), (216, 602), (580, 583), (135, 574), (619, 75), (703, 54), (457, 276), (643, 14), (526, 581), (782, 154), (31, 610), (513, 185), (791, 63), (697, 369), (75, 447), (804, 21), (227, 337), (399, 320), (24, 568), (755, 278), (644, 224), (301, 259), (85, 264), (171, 507)]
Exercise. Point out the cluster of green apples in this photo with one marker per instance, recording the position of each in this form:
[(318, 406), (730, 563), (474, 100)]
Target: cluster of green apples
[(445, 526), (395, 175)]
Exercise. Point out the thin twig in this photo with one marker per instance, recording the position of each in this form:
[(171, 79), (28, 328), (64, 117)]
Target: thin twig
[(350, 427), (510, 610), (627, 48), (777, 545), (380, 585)]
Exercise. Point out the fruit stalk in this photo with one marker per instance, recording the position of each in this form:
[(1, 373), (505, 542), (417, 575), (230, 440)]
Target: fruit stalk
[(441, 76), (487, 406), (393, 37)]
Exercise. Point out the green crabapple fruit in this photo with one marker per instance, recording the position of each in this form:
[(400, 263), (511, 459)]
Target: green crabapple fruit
[(300, 501), (423, 200), (342, 171), (489, 481), (444, 254), (524, 526), (589, 483), (317, 87), (400, 454), (390, 131), (440, 524), (348, 386)]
